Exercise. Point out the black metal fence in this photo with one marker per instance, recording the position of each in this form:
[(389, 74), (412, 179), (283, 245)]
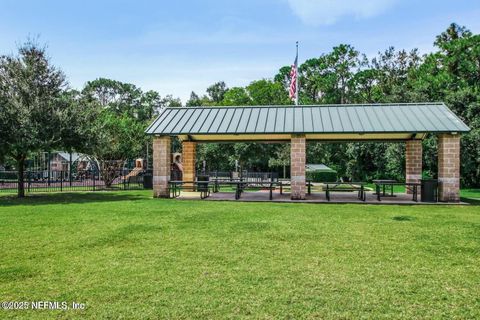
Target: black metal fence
[(48, 181), (92, 180), (244, 175)]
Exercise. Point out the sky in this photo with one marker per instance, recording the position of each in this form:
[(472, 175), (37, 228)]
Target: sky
[(175, 47)]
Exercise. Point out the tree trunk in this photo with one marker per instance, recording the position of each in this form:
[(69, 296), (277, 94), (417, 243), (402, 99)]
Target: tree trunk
[(21, 178), (110, 170)]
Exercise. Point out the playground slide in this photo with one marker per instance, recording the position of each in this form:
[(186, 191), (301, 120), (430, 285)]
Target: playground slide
[(134, 173)]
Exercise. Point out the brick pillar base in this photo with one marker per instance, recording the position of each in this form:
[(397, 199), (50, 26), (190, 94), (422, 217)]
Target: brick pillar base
[(449, 167), (188, 162), (161, 166), (413, 162), (297, 167)]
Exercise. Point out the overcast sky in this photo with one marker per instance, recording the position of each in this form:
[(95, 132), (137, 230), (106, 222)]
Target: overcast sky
[(175, 47)]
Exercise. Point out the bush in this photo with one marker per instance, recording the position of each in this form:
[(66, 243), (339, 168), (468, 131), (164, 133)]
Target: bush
[(8, 175), (321, 176)]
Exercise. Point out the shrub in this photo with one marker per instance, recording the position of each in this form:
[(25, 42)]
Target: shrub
[(321, 176)]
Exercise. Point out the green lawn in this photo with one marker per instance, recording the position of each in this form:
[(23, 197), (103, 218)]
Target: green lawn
[(128, 256)]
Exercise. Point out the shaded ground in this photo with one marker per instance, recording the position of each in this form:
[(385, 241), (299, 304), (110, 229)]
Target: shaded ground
[(314, 197), (127, 255)]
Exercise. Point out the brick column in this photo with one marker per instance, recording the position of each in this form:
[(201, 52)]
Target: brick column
[(449, 167), (188, 161), (297, 167), (413, 162), (161, 166)]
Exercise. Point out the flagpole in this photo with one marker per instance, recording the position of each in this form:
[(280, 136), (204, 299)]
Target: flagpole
[(296, 80)]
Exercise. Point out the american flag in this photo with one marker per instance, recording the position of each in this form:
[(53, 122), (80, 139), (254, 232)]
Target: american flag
[(293, 80)]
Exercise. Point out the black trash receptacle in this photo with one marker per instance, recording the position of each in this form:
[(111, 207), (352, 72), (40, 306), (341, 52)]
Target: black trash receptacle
[(429, 190), (202, 186), (148, 181)]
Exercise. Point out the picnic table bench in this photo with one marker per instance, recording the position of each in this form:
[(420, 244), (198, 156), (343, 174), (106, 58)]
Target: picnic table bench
[(346, 187), (241, 185), (308, 184), (411, 186), (175, 186), (206, 187)]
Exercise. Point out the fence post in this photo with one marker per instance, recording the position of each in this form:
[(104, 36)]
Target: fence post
[(124, 179), (29, 181), (70, 170), (61, 181), (48, 168), (93, 180)]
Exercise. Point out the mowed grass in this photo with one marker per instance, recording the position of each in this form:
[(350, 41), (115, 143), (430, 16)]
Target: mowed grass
[(126, 255)]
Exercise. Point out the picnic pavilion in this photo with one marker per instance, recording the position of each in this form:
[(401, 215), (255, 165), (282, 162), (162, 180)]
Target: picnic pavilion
[(409, 123)]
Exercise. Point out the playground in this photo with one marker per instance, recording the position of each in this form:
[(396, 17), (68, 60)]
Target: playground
[(71, 175)]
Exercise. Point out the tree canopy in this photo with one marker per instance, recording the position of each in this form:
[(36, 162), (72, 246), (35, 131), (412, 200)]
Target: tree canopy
[(33, 105), (344, 75), (39, 112)]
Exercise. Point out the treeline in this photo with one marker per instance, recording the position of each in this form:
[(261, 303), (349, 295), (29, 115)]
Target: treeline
[(450, 74), (39, 113), (107, 118)]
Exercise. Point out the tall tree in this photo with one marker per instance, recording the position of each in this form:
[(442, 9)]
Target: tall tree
[(394, 71), (217, 91), (118, 138), (283, 77), (194, 100), (236, 96), (77, 131), (150, 105), (170, 102), (32, 108), (452, 75), (267, 92), (119, 97), (344, 61)]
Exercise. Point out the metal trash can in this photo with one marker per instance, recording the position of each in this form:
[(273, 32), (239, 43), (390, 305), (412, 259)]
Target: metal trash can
[(429, 191), (202, 186), (148, 181)]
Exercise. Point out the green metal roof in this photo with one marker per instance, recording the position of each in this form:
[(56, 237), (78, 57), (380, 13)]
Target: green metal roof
[(313, 119)]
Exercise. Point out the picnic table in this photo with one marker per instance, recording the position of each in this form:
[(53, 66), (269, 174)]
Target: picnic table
[(411, 186), (384, 183), (175, 186), (205, 187), (308, 184), (241, 185), (346, 187)]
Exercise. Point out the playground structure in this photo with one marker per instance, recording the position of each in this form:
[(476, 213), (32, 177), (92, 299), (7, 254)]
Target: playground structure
[(47, 166), (52, 172), (135, 175)]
